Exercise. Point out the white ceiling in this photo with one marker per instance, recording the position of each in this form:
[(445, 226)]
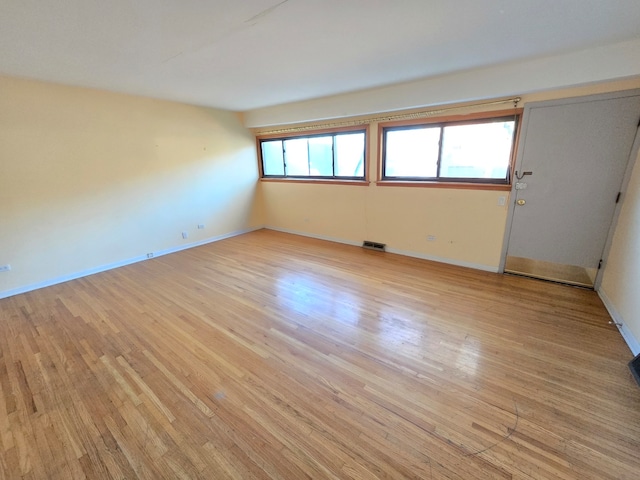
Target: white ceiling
[(243, 55)]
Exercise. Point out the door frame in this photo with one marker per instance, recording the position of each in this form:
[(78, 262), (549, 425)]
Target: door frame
[(631, 160)]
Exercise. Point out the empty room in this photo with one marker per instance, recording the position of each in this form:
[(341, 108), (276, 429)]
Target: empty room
[(310, 239)]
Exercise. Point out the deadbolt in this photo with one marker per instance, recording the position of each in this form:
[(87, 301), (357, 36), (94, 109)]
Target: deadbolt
[(521, 201)]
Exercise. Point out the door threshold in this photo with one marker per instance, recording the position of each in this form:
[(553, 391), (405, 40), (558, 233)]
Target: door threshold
[(549, 280), (552, 272)]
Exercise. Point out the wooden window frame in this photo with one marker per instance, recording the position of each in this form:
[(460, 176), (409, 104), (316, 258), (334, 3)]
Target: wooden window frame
[(476, 184), (361, 128)]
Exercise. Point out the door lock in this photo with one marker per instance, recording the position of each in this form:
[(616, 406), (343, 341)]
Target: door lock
[(521, 201)]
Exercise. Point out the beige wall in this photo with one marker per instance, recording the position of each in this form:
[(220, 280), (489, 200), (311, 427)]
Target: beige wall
[(621, 280), (91, 178)]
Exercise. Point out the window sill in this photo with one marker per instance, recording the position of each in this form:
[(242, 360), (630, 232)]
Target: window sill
[(458, 185), (329, 181)]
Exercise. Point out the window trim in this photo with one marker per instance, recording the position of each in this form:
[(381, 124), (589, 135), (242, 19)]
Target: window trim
[(360, 128), (459, 183)]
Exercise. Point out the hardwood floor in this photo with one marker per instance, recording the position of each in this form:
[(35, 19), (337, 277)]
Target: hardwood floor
[(275, 356)]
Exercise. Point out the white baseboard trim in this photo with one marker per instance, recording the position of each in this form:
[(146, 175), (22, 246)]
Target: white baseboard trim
[(450, 261), (313, 235), (405, 253), (632, 342), (122, 263), (206, 240)]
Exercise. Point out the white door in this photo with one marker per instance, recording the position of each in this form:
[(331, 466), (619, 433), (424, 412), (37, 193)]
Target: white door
[(571, 162)]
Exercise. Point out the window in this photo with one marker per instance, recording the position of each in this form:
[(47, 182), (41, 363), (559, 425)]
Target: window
[(336, 155), (474, 151)]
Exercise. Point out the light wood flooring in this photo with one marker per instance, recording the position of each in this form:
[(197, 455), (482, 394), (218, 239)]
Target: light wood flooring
[(276, 356)]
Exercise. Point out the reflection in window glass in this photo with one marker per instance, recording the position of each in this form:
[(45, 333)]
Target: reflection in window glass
[(412, 152), (321, 156), (273, 160), (477, 151), (296, 157), (350, 155)]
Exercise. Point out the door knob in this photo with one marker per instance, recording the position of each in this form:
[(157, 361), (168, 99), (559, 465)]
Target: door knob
[(521, 201)]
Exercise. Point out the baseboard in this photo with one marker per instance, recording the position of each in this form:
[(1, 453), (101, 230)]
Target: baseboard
[(206, 241), (122, 263), (632, 342), (313, 235), (450, 261), (405, 253)]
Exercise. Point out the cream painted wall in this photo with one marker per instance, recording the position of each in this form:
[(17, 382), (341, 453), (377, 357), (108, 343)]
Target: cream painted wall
[(621, 279), (468, 225), (91, 178)]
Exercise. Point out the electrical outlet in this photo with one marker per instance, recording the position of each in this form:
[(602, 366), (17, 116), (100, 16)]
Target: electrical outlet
[(149, 255), (501, 201), (5, 268), (200, 226), (185, 234)]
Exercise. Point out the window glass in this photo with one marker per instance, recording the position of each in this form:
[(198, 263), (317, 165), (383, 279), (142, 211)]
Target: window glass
[(412, 152), (349, 153), (273, 159), (321, 156), (477, 150), (296, 157)]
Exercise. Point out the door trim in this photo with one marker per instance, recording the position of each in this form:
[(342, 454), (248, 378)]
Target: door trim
[(633, 155), (518, 166)]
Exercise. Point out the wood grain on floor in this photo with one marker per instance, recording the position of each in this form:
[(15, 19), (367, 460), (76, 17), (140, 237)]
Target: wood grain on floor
[(276, 356)]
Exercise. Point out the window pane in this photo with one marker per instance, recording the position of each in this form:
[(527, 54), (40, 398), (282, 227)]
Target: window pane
[(350, 155), (412, 152), (321, 156), (482, 150), (272, 161), (296, 156)]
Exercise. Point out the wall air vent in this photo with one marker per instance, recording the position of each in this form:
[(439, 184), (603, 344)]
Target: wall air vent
[(380, 247)]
